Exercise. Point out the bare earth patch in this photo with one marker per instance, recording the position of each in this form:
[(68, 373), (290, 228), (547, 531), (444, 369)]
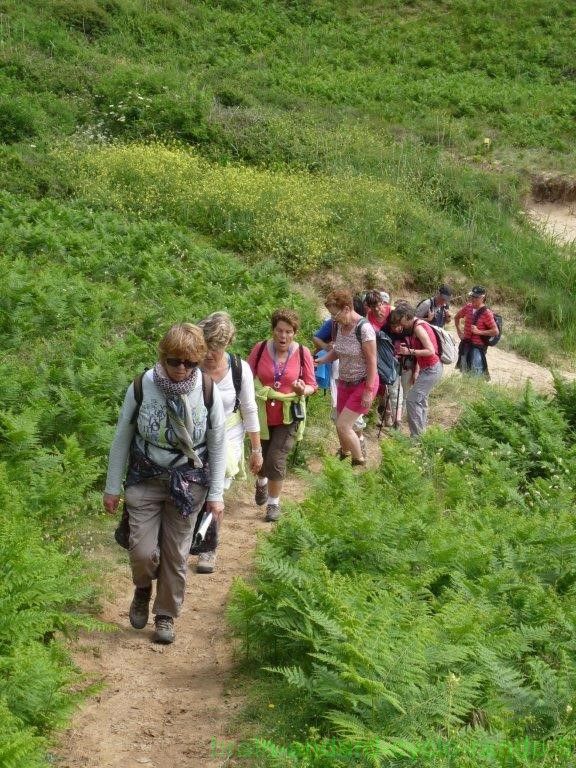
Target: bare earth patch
[(557, 219)]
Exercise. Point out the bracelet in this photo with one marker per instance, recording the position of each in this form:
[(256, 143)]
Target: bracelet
[(257, 450)]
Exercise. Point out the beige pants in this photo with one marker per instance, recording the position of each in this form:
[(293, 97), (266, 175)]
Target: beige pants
[(160, 541)]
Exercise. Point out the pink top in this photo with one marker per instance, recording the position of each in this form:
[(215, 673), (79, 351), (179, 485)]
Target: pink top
[(429, 360), (286, 374)]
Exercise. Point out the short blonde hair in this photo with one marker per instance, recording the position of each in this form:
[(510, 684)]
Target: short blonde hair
[(218, 330), (185, 341)]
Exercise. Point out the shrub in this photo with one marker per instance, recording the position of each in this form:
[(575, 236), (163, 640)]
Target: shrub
[(18, 119)]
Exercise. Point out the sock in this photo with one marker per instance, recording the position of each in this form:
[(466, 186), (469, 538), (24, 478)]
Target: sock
[(273, 499), (262, 481)]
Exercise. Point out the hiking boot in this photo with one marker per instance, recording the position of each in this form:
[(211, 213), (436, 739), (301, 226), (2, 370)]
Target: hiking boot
[(164, 630), (273, 513), (261, 494), (139, 607), (206, 562), (340, 454), (358, 462)]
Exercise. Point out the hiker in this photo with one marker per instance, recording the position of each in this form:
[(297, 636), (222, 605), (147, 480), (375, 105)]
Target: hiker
[(479, 325), (421, 345), (436, 310), (324, 340), (391, 410), (355, 349), (235, 383), (283, 377), (378, 303), (174, 446)]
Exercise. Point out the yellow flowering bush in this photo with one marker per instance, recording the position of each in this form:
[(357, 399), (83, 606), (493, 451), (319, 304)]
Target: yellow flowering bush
[(298, 219)]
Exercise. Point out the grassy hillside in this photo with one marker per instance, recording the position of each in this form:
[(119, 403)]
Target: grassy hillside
[(160, 159), (412, 128), (442, 73)]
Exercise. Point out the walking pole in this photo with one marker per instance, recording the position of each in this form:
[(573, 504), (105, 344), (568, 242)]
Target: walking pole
[(397, 415), (383, 409)]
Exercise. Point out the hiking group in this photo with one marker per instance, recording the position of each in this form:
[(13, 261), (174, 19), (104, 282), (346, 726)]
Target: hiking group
[(180, 435)]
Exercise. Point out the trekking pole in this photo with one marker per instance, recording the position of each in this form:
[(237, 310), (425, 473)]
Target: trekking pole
[(383, 410), (400, 392)]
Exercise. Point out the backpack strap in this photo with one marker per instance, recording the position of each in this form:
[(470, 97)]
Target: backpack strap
[(358, 329), (301, 351), (236, 368), (478, 313), (138, 396)]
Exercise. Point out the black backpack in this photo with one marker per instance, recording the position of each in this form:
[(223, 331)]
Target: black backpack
[(386, 363), (493, 340), (385, 359)]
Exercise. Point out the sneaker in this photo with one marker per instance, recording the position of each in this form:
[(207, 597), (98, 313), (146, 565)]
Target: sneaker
[(206, 562), (164, 630), (139, 607), (273, 513), (261, 494)]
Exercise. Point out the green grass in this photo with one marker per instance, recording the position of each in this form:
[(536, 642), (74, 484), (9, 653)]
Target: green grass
[(352, 97), (160, 159)]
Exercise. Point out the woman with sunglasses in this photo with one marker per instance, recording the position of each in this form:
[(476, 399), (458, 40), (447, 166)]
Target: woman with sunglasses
[(174, 446)]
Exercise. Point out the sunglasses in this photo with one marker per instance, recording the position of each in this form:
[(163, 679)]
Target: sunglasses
[(176, 362)]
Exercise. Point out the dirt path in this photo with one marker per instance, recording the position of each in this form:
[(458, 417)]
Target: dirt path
[(161, 706), (556, 218)]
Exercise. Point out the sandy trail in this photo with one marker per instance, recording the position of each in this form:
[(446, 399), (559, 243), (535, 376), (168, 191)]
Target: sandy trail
[(162, 706)]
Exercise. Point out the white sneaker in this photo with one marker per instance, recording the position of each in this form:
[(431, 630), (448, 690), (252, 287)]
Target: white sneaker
[(206, 562)]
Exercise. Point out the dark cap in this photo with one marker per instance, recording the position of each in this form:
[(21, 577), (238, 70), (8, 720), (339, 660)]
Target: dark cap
[(477, 291), (445, 291)]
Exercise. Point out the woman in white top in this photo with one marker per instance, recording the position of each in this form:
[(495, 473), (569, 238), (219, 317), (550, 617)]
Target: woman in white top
[(240, 410)]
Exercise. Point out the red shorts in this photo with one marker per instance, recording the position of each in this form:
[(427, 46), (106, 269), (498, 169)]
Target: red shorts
[(350, 396)]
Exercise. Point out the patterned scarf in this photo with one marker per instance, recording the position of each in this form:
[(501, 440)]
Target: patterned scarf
[(178, 409), (173, 388)]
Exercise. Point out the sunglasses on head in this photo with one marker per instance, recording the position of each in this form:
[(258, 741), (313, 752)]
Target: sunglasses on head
[(176, 362)]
